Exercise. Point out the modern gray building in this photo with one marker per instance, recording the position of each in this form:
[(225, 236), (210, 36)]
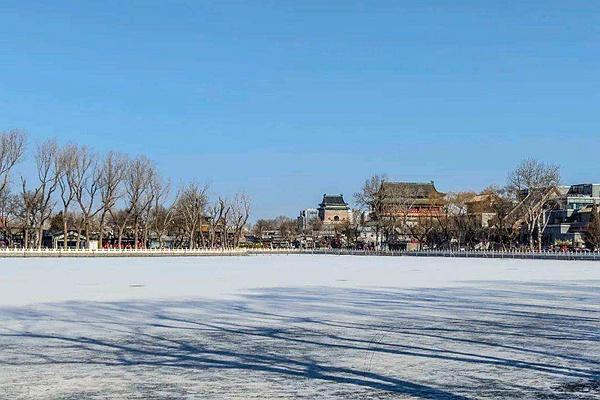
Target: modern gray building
[(567, 223), (307, 218)]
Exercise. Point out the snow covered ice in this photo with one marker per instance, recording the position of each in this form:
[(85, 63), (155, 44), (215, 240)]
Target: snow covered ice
[(299, 326)]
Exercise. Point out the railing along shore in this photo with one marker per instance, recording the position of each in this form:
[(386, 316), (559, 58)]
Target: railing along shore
[(543, 255), (533, 255), (45, 252)]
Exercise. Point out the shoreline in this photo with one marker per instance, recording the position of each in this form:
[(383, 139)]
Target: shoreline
[(84, 253)]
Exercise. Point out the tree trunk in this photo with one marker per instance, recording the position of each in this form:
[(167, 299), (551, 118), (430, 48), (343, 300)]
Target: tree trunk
[(539, 228), (145, 237), (120, 239), (531, 247), (121, 231), (202, 239), (40, 235), (136, 233), (79, 230), (87, 233), (191, 245), (101, 233), (65, 230)]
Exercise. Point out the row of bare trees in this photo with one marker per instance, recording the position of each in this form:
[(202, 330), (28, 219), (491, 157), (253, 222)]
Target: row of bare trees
[(113, 198)]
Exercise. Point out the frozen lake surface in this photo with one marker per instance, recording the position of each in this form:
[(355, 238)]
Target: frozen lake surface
[(294, 326)]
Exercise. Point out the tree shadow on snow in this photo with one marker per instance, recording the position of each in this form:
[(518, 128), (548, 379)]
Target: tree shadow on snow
[(313, 333)]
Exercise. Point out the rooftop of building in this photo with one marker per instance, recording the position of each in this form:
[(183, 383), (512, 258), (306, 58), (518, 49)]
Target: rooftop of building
[(482, 197), (333, 200), (584, 189), (412, 189)]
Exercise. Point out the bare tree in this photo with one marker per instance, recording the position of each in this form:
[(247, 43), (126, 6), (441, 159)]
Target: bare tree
[(455, 221), (176, 229), (263, 225), (66, 160), (112, 172), (29, 204), (421, 228), (350, 231), (86, 183), (224, 225), (401, 217), (372, 200), (162, 219), (10, 213), (316, 227), (154, 199), (240, 212), (191, 204), (12, 147), (217, 214), (48, 172), (118, 221), (532, 184), (501, 231), (136, 183), (533, 174)]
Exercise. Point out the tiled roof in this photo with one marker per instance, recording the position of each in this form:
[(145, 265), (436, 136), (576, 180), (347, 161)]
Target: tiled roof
[(333, 200), (487, 197), (416, 190)]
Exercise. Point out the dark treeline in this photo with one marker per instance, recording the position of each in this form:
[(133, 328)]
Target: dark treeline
[(117, 200)]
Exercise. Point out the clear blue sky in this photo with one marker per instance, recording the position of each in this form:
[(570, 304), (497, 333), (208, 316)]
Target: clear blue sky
[(289, 100)]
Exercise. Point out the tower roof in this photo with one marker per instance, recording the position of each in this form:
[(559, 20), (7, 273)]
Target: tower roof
[(333, 200)]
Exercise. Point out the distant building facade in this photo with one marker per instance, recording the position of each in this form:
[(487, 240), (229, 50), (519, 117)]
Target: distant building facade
[(411, 200), (307, 218), (334, 210), (567, 223), (482, 209)]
